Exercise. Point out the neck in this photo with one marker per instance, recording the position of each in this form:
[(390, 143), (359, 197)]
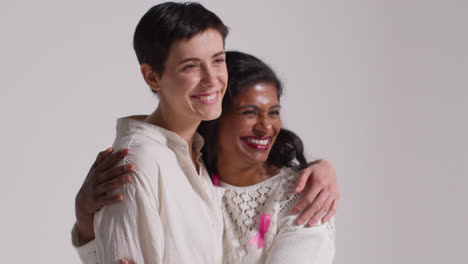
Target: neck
[(231, 173), (183, 127)]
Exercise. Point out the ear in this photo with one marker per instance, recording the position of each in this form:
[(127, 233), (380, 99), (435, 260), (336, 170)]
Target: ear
[(151, 77)]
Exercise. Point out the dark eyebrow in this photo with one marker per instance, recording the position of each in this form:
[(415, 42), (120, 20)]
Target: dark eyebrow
[(218, 53), (276, 106), (197, 59), (256, 107)]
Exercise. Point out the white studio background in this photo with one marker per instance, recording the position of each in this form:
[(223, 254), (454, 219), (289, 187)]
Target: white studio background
[(379, 88)]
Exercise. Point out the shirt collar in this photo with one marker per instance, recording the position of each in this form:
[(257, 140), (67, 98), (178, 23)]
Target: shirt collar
[(135, 124)]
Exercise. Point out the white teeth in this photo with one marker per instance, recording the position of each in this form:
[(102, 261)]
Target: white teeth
[(208, 98), (258, 141)]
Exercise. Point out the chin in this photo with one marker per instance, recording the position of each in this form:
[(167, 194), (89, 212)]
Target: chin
[(211, 115), (258, 160), (258, 157)]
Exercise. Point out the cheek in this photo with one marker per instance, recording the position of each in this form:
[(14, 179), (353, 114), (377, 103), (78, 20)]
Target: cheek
[(227, 140), (231, 130), (224, 129), (245, 125), (183, 83), (222, 75), (276, 127)]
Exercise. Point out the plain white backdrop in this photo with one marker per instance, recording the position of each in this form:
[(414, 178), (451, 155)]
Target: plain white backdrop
[(379, 88)]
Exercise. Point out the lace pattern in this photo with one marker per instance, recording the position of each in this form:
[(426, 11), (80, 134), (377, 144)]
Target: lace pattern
[(243, 206)]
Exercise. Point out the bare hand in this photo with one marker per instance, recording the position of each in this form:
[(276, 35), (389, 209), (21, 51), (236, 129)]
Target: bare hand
[(102, 178), (126, 261), (322, 197)]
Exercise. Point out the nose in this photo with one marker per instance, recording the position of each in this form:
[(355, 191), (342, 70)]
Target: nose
[(209, 77), (263, 125)]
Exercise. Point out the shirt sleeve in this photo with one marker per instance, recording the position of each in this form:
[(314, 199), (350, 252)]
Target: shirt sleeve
[(132, 228), (87, 251), (299, 244)]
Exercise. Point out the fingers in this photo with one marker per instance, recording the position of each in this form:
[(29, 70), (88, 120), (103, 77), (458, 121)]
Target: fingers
[(330, 212), (101, 156), (113, 184), (109, 199), (126, 261), (307, 199), (320, 213), (301, 183), (313, 209), (112, 160), (306, 175), (114, 172)]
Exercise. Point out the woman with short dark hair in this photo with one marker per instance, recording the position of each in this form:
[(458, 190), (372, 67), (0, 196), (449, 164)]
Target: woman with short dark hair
[(171, 212), (180, 47)]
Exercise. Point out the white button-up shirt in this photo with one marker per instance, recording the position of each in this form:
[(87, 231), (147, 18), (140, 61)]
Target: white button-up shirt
[(171, 212)]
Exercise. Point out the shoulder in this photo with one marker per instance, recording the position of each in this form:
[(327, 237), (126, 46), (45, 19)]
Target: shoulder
[(144, 152), (146, 155), (285, 195), (139, 142), (287, 199)]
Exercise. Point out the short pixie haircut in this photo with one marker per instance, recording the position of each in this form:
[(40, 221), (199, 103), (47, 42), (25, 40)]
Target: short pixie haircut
[(168, 22)]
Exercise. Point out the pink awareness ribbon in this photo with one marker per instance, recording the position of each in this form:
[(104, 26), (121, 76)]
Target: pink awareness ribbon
[(263, 226), (215, 179)]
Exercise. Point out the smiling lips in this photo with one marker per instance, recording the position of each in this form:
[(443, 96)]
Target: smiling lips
[(207, 98), (258, 143)]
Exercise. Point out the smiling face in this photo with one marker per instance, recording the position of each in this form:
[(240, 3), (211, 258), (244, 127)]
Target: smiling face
[(248, 130), (195, 76)]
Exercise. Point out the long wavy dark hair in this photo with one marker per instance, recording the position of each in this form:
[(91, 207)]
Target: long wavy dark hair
[(244, 72)]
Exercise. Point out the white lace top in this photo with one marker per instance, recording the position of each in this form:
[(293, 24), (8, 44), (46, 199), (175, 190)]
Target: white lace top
[(246, 212)]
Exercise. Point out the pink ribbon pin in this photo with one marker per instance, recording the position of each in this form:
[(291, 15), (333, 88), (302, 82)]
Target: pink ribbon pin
[(215, 179), (263, 226)]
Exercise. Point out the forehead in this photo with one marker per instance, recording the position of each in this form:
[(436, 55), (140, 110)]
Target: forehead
[(202, 45), (258, 94)]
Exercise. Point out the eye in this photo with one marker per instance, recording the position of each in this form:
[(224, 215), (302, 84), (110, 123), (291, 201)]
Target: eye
[(275, 113), (219, 60), (249, 113), (189, 66)]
